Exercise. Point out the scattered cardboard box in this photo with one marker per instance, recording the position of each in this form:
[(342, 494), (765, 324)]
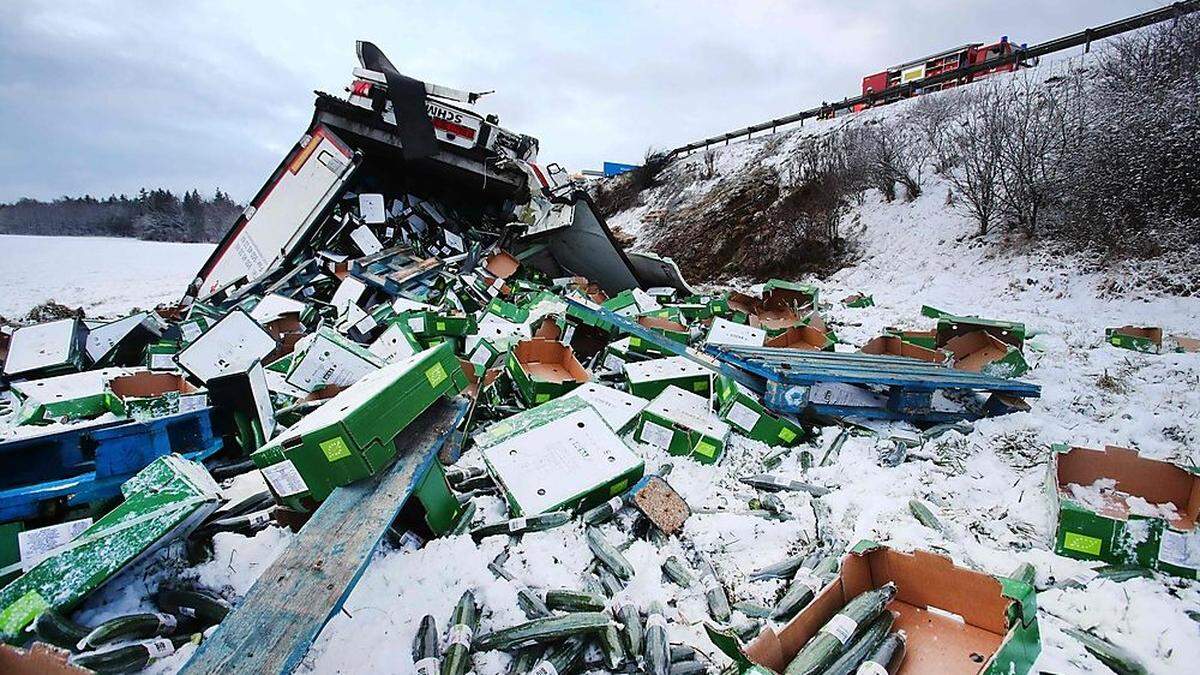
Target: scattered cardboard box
[(561, 455), (648, 379), (544, 369), (1146, 339), (742, 410), (725, 332), (892, 345), (619, 409), (681, 423), (958, 621), (982, 352), (146, 395), (43, 349), (1123, 524)]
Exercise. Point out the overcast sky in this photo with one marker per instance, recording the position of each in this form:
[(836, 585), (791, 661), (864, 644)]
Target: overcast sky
[(105, 97)]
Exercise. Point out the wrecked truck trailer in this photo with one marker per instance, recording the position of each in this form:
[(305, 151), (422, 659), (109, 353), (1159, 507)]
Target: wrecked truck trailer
[(473, 182)]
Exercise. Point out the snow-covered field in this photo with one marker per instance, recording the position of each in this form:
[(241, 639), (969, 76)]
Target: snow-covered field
[(105, 276)]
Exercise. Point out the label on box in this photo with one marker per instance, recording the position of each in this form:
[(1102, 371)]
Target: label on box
[(190, 331), (192, 402), (743, 416), (416, 324), (167, 622), (841, 627), (427, 666), (335, 449), (454, 240), (481, 356), (871, 668), (284, 478), (436, 374), (544, 668), (656, 435), (367, 324), (614, 363), (162, 362), (160, 648), (1181, 549), (1082, 543), (459, 634), (40, 543)]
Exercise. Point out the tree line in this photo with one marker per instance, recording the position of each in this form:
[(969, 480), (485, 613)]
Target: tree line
[(157, 215)]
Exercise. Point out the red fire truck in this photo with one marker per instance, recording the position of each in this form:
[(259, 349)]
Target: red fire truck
[(915, 71)]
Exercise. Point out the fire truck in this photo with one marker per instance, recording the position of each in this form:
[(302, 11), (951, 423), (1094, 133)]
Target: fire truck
[(916, 71)]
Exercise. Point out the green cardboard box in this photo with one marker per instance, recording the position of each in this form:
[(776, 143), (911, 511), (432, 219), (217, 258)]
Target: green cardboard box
[(561, 455), (858, 301), (148, 395), (45, 349), (1146, 339), (950, 326), (672, 330), (161, 355), (507, 310), (957, 620), (75, 396), (619, 409), (1118, 520), (395, 343), (327, 357), (790, 293), (650, 378), (544, 369), (982, 352), (741, 409), (352, 436), (681, 423), (165, 500)]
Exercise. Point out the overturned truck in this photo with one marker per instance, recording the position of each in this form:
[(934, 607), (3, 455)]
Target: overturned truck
[(403, 163)]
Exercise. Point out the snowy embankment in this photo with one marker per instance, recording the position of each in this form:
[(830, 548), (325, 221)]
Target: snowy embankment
[(105, 276)]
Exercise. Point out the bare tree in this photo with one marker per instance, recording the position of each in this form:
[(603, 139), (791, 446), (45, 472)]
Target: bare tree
[(898, 155), (710, 164), (972, 146)]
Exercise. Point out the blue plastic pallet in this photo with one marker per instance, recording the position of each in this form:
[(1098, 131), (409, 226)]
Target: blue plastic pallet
[(873, 386), (89, 464)]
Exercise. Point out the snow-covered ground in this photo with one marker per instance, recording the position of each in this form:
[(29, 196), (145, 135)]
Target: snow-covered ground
[(105, 276)]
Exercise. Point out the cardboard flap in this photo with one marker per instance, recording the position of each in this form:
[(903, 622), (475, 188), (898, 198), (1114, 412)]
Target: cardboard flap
[(976, 597)]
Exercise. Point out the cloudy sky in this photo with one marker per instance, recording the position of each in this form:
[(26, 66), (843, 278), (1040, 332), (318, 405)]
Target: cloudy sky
[(105, 97)]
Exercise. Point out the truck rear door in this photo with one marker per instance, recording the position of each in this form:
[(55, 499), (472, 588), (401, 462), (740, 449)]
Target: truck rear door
[(281, 214)]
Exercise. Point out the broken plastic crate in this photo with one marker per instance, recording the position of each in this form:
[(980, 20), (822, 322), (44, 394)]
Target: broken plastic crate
[(544, 369), (1116, 506), (681, 423), (561, 455), (958, 621), (669, 329), (352, 436), (165, 500)]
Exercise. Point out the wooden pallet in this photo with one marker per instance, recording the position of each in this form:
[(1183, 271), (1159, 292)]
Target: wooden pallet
[(273, 627)]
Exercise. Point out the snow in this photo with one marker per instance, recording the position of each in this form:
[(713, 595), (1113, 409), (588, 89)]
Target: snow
[(105, 276), (987, 486)]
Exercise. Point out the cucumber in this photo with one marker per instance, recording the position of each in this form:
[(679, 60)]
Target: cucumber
[(124, 658), (55, 628), (883, 656), (562, 658), (631, 628), (527, 600), (688, 668), (604, 512), (1116, 658), (774, 505), (608, 554), (926, 517), (459, 635), (204, 606), (474, 483), (524, 661), (863, 646), (747, 630), (568, 600), (246, 523), (610, 647), (771, 483), (425, 650), (139, 626), (824, 648), (544, 521), (682, 653), (835, 448), (463, 522), (781, 570), (457, 474), (609, 582), (773, 458), (714, 592), (546, 629), (677, 572), (656, 652), (752, 609), (1024, 572), (799, 593)]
